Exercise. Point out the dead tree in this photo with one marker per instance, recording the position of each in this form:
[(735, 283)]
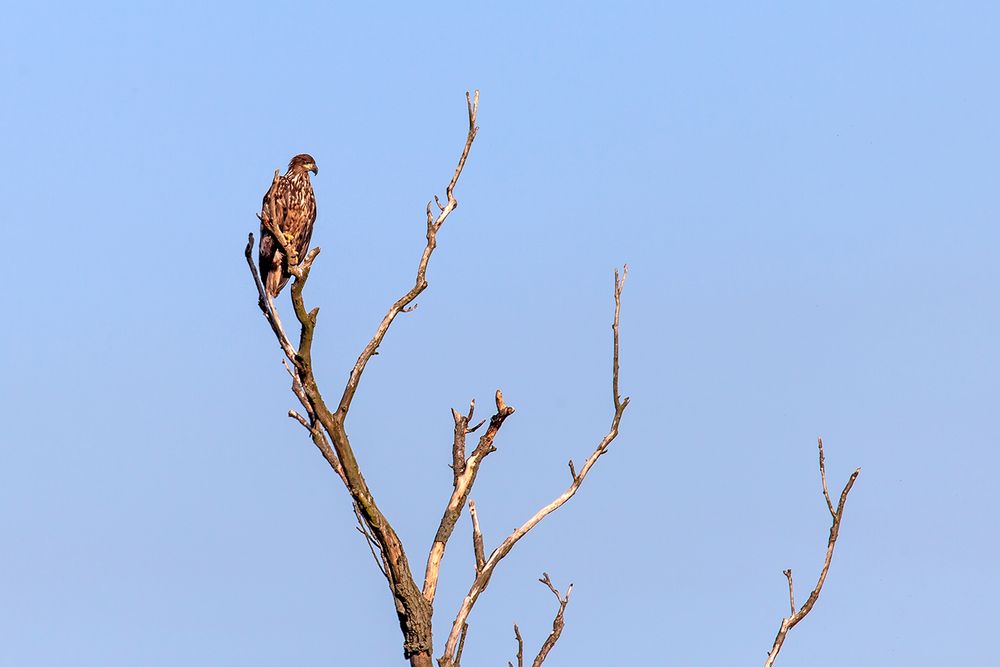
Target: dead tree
[(324, 422)]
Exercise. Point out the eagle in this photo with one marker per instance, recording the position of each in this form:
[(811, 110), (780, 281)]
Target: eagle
[(293, 204)]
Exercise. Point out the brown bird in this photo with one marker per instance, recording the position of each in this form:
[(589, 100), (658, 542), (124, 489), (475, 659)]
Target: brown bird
[(294, 210)]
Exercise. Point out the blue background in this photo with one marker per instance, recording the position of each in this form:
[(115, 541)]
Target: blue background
[(806, 194)]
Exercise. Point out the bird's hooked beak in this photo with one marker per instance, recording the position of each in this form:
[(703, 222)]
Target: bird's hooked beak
[(314, 169)]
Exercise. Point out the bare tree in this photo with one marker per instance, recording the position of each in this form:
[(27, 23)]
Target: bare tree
[(324, 423)]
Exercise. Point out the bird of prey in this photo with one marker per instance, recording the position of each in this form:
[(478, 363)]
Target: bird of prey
[(291, 202)]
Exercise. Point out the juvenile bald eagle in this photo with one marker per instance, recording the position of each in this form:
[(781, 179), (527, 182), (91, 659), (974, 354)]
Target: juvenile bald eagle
[(294, 212)]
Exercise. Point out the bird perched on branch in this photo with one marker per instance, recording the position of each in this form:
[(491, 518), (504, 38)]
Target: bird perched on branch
[(290, 207)]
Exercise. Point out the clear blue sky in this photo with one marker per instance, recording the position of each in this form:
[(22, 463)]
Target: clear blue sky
[(806, 194)]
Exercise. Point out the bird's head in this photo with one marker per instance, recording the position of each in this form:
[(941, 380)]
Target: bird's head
[(305, 162)]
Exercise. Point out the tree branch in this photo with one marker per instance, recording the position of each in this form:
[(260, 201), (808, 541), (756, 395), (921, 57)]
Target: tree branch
[(483, 576), (838, 514), (822, 475), (477, 538), (267, 305), (464, 477), (420, 284), (520, 648), (461, 642), (372, 543), (791, 589)]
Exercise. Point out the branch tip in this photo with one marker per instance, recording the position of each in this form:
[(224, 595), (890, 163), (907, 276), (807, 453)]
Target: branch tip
[(461, 645), (791, 592), (520, 647)]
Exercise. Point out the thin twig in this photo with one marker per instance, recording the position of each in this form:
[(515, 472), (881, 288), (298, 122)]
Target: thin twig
[(300, 419), (461, 646), (477, 537), (372, 542), (267, 306), (619, 286), (319, 439), (822, 475), (791, 590), (545, 579), (520, 647)]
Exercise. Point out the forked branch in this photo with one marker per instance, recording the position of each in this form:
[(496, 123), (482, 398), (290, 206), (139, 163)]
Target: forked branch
[(465, 471), (484, 573), (558, 623), (838, 514)]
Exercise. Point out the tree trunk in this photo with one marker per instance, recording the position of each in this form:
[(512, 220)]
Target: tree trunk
[(421, 660)]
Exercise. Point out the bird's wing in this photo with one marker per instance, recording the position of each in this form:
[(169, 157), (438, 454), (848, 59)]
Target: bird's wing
[(279, 192), (306, 219), (269, 246)]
